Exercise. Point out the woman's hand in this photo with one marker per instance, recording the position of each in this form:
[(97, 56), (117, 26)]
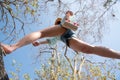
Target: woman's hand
[(36, 43)]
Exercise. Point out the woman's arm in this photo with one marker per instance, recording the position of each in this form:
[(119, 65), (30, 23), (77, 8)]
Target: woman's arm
[(50, 41), (37, 43)]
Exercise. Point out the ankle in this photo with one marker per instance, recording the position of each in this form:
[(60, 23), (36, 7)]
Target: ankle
[(12, 48)]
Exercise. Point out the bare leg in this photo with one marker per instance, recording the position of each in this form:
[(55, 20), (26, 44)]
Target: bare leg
[(48, 32), (98, 50)]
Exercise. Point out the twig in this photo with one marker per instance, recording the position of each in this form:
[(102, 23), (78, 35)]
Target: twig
[(75, 67), (102, 14), (65, 54), (80, 67)]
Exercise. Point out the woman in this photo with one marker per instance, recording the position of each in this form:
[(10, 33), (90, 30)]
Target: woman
[(67, 36)]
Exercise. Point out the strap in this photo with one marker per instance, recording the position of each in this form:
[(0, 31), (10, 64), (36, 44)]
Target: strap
[(70, 26)]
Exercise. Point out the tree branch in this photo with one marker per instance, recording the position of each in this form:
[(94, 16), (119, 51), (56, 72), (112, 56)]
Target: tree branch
[(103, 13), (65, 54)]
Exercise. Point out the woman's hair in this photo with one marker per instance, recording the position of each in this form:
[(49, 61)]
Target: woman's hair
[(71, 13), (58, 21)]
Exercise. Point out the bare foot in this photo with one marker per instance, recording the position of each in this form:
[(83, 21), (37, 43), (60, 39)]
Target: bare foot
[(6, 48)]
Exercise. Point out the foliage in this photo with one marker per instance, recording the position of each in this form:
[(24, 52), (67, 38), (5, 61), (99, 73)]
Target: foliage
[(58, 68), (14, 12)]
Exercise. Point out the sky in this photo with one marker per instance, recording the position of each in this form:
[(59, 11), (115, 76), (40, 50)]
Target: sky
[(25, 56)]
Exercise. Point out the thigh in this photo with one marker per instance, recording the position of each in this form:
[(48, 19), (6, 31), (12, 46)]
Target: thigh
[(80, 46), (55, 30)]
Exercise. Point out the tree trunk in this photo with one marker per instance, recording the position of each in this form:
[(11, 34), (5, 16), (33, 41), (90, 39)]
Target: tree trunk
[(3, 75)]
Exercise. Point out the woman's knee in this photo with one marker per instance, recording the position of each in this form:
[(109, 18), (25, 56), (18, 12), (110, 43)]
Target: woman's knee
[(42, 34)]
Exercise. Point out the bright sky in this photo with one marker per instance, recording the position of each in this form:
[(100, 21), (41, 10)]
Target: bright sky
[(26, 55)]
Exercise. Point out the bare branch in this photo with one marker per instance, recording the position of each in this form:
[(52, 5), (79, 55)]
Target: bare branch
[(65, 54), (98, 18)]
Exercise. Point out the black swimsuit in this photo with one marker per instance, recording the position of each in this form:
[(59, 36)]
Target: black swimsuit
[(67, 35)]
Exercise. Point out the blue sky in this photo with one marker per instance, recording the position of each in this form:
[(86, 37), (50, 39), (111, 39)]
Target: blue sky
[(26, 55)]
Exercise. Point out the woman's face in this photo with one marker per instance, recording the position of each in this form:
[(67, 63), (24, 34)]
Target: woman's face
[(68, 14)]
